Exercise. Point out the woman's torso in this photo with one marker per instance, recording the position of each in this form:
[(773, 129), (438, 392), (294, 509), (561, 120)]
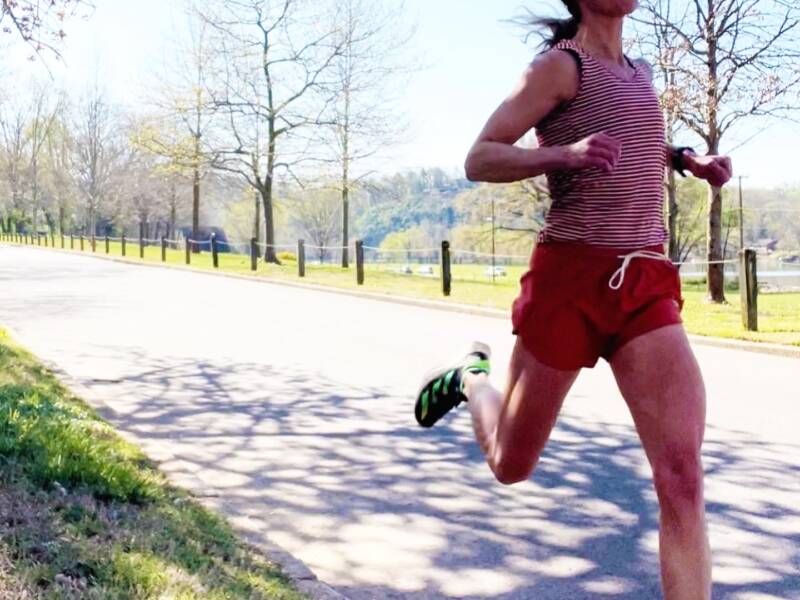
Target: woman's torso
[(625, 208)]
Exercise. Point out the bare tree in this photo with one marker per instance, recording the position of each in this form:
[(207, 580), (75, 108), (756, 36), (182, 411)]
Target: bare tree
[(273, 57), (97, 150), (60, 170), (14, 116), (46, 108), (315, 212), (739, 59), (366, 121), (184, 114)]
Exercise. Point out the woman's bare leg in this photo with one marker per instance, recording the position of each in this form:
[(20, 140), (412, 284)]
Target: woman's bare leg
[(512, 428), (661, 382)]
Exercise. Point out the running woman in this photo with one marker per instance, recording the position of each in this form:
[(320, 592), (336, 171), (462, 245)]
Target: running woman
[(599, 285)]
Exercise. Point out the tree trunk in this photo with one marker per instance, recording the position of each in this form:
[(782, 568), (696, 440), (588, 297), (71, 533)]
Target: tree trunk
[(196, 207), (270, 255), (672, 217), (716, 272), (172, 219), (173, 210), (346, 179), (257, 220), (92, 220), (345, 223)]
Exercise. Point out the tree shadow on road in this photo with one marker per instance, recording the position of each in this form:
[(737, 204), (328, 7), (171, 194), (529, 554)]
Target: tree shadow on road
[(343, 478)]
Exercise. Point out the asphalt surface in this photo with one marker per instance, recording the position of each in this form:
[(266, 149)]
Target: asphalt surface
[(291, 411)]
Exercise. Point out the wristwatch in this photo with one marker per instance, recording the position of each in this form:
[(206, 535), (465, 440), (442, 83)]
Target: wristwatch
[(677, 158)]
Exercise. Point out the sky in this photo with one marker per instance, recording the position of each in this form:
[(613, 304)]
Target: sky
[(471, 59)]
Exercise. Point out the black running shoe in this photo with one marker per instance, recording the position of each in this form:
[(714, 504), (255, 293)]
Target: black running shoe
[(441, 389)]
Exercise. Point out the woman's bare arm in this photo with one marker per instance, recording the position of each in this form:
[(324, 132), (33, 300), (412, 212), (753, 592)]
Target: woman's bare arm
[(550, 80)]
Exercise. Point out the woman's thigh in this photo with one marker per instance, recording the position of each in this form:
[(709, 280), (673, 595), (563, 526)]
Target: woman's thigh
[(661, 382), (532, 400)]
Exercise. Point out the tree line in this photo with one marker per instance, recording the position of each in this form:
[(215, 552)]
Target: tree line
[(257, 96), (294, 97)]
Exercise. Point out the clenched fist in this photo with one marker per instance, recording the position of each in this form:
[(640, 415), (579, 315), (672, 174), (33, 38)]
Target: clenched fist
[(598, 151)]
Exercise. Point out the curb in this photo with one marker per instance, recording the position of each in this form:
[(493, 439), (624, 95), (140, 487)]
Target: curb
[(725, 343), (745, 346), (295, 570)]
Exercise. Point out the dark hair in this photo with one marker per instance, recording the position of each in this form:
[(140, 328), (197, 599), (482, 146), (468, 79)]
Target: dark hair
[(560, 29)]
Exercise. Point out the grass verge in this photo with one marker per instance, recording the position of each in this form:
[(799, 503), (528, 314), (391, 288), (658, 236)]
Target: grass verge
[(84, 514), (779, 313)]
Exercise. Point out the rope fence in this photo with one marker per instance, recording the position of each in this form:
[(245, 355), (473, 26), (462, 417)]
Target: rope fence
[(443, 262)]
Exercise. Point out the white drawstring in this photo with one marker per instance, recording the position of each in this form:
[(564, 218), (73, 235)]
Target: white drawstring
[(620, 274)]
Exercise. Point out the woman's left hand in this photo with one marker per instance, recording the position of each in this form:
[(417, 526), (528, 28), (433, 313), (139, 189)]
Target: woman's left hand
[(716, 170)]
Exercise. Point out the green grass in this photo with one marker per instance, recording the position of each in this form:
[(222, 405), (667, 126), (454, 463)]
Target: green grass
[(85, 515), (779, 313)]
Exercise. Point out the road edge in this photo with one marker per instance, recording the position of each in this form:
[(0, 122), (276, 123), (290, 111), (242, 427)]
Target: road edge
[(295, 570), (701, 340)]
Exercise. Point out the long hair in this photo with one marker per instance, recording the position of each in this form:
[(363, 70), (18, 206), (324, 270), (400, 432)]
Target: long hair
[(560, 29)]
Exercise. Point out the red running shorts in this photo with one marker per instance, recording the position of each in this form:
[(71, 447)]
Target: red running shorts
[(568, 316)]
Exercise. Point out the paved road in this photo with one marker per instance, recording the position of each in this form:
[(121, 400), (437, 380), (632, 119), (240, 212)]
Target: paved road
[(291, 411)]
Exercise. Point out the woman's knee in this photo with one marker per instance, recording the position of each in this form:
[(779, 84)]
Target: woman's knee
[(510, 469), (678, 478)]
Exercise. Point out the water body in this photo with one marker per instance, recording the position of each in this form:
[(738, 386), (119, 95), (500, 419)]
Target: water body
[(772, 274)]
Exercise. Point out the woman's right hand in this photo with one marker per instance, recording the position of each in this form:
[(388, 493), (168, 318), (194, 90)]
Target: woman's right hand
[(598, 151)]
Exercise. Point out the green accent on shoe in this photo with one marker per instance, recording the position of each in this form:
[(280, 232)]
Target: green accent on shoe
[(425, 403), (449, 378), (482, 366), (437, 387)]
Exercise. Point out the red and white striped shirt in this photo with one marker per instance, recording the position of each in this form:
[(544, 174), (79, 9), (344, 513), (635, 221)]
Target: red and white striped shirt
[(625, 208)]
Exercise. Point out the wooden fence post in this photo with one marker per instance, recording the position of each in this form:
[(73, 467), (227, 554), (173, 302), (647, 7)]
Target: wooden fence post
[(45, 241), (253, 254), (748, 288), (94, 243), (52, 239), (446, 275), (360, 262), (72, 241), (301, 258), (214, 251), (63, 243), (124, 244), (108, 245), (39, 238), (82, 238), (141, 240), (163, 249), (188, 252)]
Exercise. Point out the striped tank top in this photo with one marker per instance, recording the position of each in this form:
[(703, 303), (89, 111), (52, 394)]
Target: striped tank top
[(625, 208)]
